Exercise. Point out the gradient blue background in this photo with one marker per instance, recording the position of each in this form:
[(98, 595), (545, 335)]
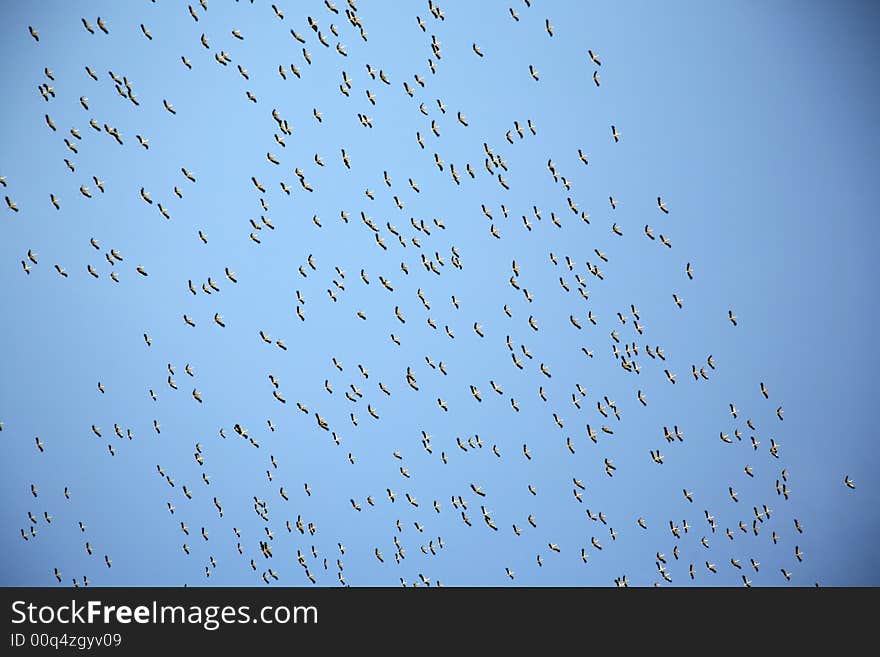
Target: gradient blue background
[(755, 121)]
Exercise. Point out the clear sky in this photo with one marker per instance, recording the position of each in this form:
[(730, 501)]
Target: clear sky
[(755, 122)]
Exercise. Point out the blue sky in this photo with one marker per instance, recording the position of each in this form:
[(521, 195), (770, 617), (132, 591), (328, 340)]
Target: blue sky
[(753, 122)]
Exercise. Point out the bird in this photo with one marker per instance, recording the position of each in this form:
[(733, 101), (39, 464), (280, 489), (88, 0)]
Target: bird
[(352, 323)]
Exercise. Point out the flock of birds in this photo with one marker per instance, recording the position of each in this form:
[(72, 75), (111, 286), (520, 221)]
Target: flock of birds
[(579, 423)]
